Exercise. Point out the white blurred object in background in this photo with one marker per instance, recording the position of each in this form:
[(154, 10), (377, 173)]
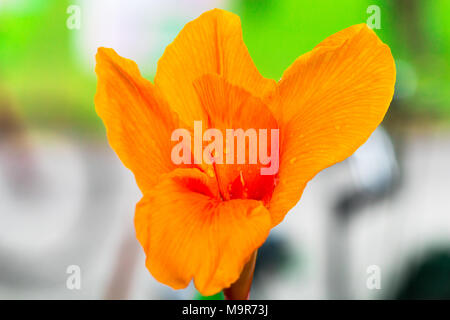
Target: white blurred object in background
[(136, 29)]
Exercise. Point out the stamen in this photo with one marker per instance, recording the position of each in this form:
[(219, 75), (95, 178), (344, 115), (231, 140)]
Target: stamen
[(242, 178)]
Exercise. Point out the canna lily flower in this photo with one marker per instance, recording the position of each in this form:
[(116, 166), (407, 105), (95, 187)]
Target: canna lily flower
[(205, 222)]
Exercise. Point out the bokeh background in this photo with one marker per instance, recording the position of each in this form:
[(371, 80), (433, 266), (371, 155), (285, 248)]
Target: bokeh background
[(65, 198)]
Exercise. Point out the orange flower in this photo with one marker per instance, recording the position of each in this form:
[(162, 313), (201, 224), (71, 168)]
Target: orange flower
[(204, 222)]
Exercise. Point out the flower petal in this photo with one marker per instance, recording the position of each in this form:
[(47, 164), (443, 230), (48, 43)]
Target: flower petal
[(187, 232), (139, 122), (212, 43), (231, 107), (329, 102)]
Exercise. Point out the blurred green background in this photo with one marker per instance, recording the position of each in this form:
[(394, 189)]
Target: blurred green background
[(40, 69)]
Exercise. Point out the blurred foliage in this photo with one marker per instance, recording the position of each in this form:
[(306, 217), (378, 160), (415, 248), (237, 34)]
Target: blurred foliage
[(40, 74), (277, 32), (428, 278), (38, 66), (418, 33)]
